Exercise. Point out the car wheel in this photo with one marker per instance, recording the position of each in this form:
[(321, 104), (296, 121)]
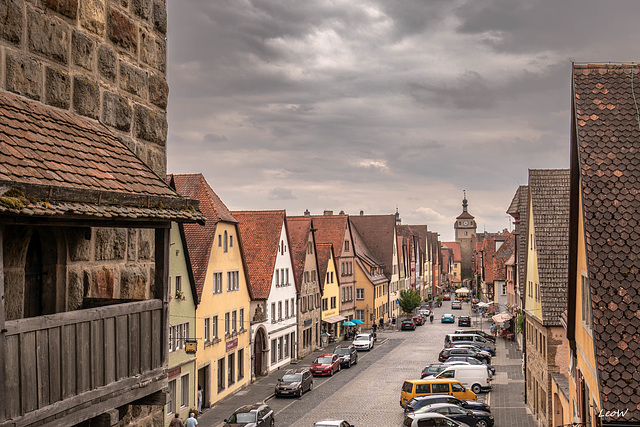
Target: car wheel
[(301, 392), (482, 423), (476, 388), (339, 367), (331, 372), (349, 364), (311, 386), (356, 362), (273, 423)]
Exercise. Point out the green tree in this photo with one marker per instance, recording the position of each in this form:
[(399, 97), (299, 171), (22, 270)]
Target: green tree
[(409, 300)]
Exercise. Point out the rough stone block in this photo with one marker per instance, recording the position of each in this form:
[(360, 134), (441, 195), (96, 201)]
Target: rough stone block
[(134, 281), (142, 9), (153, 51), (146, 239), (116, 111), (103, 280), (57, 88), (111, 244), (11, 17), (132, 245), (83, 51), (122, 32), (92, 16), (48, 36), (86, 97), (76, 288), (150, 125), (23, 76), (68, 8), (133, 80), (107, 66), (160, 16), (156, 160), (158, 90), (79, 244)]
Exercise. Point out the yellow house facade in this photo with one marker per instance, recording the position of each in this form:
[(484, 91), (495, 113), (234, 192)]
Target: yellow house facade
[(330, 289)]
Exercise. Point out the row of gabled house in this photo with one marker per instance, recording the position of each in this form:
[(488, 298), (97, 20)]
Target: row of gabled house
[(252, 291), (577, 262)]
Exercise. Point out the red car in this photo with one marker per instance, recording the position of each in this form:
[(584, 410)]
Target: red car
[(418, 320), (326, 364), (446, 297)]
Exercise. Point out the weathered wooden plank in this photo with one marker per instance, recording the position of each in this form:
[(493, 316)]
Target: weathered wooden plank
[(12, 371), (59, 319), (162, 246), (109, 350), (3, 347), (42, 369), (156, 342), (83, 358), (122, 347), (134, 344), (28, 380), (55, 365), (145, 341), (104, 398), (68, 359), (97, 353)]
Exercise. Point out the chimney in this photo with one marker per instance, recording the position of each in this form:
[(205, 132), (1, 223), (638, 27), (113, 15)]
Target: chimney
[(361, 213), (307, 213), (327, 213), (342, 213)]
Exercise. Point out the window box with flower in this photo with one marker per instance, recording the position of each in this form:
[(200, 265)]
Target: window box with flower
[(179, 295)]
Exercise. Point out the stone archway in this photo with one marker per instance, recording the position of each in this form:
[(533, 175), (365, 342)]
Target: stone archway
[(259, 353)]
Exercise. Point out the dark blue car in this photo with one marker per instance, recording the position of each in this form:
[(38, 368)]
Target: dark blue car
[(418, 402)]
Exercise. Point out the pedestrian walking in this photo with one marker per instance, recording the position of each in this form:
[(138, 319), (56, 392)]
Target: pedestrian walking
[(199, 399), (176, 422), (381, 324), (191, 421)]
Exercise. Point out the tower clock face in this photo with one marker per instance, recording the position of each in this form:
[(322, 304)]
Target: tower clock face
[(465, 222)]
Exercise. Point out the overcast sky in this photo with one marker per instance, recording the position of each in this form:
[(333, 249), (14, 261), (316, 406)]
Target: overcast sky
[(377, 104)]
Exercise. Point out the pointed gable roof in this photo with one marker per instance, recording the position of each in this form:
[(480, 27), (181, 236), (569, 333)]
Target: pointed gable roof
[(200, 238), (550, 206), (331, 229), (503, 255), (260, 234), (325, 252), (606, 172), (519, 210), (455, 247), (378, 232), (299, 229)]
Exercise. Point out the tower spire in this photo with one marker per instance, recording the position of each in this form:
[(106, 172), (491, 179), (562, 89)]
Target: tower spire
[(464, 201)]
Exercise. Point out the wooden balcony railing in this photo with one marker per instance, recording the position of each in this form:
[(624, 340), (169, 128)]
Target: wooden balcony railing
[(61, 364)]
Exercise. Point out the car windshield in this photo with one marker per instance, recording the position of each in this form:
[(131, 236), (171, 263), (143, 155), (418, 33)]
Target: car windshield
[(290, 378), (362, 338), (342, 351), (323, 360), (243, 418)]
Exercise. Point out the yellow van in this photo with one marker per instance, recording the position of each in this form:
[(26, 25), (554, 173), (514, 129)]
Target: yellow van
[(426, 387)]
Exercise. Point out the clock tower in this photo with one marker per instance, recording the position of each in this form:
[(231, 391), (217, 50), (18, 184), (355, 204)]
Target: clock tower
[(465, 229)]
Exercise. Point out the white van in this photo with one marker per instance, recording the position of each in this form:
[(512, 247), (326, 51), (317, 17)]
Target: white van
[(454, 338), (474, 377)]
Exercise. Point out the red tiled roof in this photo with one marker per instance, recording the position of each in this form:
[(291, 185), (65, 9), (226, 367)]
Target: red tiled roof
[(502, 255), (299, 229), (260, 234), (378, 232), (200, 238), (324, 251), (455, 246), (331, 229), (607, 133)]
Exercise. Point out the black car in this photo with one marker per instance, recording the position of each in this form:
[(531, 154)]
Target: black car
[(432, 370), (408, 325), (258, 415), (458, 351), (464, 321), (418, 402), (471, 417), (471, 361), (348, 355), (294, 382)]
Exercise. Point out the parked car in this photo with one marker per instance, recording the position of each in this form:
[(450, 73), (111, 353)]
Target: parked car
[(448, 318), (258, 415), (464, 321), (454, 338), (363, 342), (456, 305), (483, 334), (433, 370), (470, 417), (408, 325), (430, 419), (481, 347), (333, 423), (348, 354), (424, 311), (446, 297), (294, 382), (470, 352), (418, 402), (470, 361), (475, 377), (429, 386), (326, 364), (418, 320)]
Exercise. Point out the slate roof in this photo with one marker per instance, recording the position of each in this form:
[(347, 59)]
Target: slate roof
[(260, 234), (378, 232), (519, 209), (331, 229), (201, 238), (68, 165), (550, 205), (608, 143), (465, 215), (299, 229)]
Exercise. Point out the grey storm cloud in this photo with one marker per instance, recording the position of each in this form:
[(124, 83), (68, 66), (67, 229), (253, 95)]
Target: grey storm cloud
[(343, 105)]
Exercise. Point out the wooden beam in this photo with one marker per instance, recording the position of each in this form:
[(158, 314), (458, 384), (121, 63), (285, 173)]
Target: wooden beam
[(83, 221), (3, 331), (163, 243), (107, 419), (159, 398)]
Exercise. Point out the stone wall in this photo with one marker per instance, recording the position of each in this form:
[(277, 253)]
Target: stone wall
[(103, 59)]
